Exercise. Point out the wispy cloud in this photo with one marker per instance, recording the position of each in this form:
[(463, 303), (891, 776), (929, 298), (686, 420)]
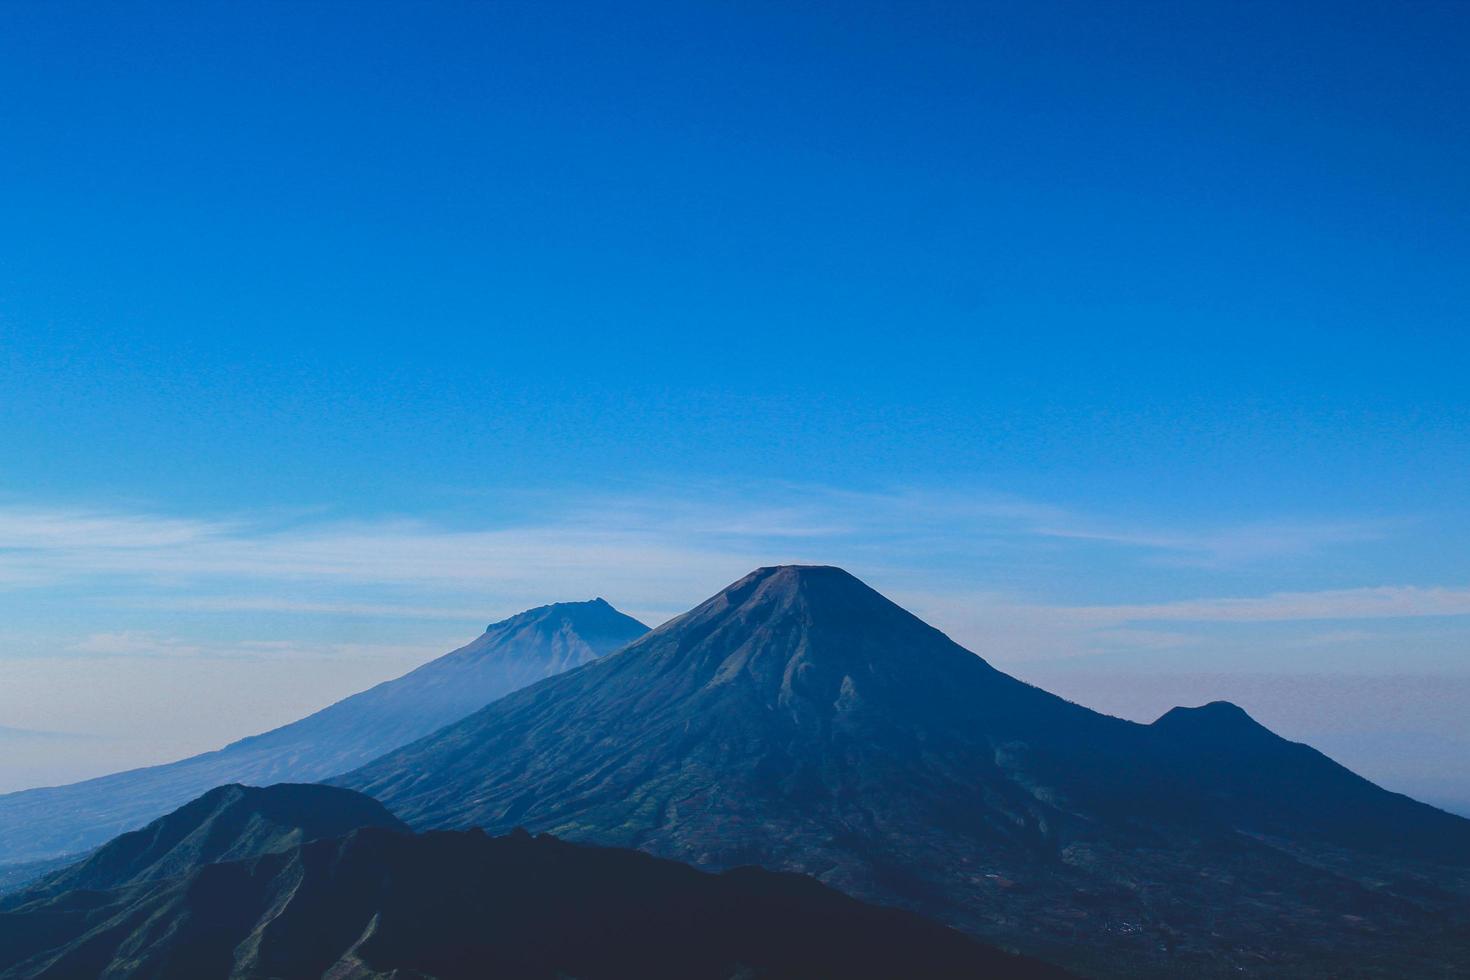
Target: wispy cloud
[(1015, 629), (658, 551), (51, 548), (285, 604), (1384, 602), (1242, 544), (33, 734), (41, 529), (133, 643), (154, 644), (654, 537)]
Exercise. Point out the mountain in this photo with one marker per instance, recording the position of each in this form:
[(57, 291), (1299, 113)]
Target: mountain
[(800, 721), (227, 823), (462, 906), (45, 823)]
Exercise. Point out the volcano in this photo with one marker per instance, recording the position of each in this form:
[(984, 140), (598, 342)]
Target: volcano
[(799, 720)]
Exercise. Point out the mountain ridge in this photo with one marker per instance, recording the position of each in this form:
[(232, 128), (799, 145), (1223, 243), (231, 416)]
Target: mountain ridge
[(459, 905)]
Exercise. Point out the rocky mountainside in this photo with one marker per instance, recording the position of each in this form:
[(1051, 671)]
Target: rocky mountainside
[(464, 906), (799, 720), (44, 823)]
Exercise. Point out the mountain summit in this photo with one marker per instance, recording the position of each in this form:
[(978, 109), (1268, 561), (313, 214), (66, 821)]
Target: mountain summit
[(510, 654), (800, 720)]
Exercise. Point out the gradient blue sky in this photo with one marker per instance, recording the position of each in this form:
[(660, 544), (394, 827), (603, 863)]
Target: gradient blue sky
[(1127, 343)]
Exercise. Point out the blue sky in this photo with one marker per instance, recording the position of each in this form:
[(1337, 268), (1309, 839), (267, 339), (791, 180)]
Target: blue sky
[(1126, 342)]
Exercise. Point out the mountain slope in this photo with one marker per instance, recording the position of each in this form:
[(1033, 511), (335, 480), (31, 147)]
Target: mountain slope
[(14, 877), (799, 720), (44, 823), (227, 823), (461, 906)]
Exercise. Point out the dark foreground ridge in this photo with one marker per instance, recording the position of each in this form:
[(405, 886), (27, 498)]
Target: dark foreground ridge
[(43, 824), (463, 906), (227, 823), (799, 720)]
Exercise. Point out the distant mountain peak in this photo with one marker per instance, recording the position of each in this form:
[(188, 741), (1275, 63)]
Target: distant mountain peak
[(1217, 719), (511, 654), (591, 612)]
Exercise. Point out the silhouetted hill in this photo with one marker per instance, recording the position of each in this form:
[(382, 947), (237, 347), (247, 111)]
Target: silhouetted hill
[(44, 823), (1245, 774), (463, 906), (227, 823), (799, 720)]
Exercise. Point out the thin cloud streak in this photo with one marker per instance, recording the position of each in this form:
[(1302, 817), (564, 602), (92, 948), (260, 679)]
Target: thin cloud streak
[(275, 604), (1384, 602), (658, 552), (1244, 544), (147, 643), (657, 539)]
